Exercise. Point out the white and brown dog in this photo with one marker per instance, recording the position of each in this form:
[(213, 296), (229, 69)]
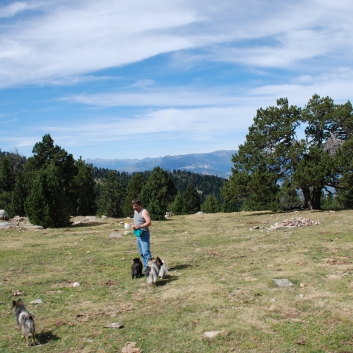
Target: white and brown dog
[(155, 268)]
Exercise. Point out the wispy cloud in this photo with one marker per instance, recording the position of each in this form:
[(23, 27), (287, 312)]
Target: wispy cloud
[(73, 38), (337, 83), (166, 96), (14, 8)]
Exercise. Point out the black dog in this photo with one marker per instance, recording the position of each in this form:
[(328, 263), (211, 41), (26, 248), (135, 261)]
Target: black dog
[(136, 268)]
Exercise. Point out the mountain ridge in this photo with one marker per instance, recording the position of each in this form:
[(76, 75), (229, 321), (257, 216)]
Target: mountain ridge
[(218, 163)]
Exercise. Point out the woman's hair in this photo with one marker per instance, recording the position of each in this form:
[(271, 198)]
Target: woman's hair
[(137, 202)]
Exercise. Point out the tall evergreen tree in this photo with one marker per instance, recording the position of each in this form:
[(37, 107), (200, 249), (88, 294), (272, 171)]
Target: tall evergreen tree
[(272, 154), (112, 196), (47, 204), (83, 190), (6, 204), (230, 206), (7, 175), (211, 205), (264, 160), (134, 188), (19, 196), (192, 200), (177, 206), (316, 168), (46, 153), (158, 192), (7, 184), (345, 168)]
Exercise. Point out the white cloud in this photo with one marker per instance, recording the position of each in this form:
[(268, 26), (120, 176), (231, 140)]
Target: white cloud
[(166, 97), (12, 9), (143, 83), (189, 121), (337, 83), (77, 37)]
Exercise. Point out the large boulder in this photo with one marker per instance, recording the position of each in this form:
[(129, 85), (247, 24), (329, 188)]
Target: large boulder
[(3, 215)]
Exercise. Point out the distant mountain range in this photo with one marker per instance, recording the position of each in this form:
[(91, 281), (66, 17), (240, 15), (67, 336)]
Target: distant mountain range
[(217, 163)]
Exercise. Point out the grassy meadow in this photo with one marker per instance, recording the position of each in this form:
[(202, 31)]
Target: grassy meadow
[(221, 278)]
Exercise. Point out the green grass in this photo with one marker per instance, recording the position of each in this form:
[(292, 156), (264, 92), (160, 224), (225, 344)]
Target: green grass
[(221, 279)]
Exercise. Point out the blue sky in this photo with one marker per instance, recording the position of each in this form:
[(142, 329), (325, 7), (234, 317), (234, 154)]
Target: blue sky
[(135, 79)]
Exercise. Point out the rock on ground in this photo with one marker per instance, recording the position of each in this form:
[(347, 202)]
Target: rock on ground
[(4, 215)]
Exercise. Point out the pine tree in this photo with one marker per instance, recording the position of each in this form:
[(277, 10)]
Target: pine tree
[(134, 188), (157, 193), (7, 175), (47, 204), (178, 204), (273, 157), (83, 186), (5, 203), (192, 200), (19, 196), (211, 205), (345, 168), (112, 196), (46, 153), (264, 159), (230, 206)]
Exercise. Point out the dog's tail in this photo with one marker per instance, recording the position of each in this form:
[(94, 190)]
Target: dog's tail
[(27, 326), (26, 320)]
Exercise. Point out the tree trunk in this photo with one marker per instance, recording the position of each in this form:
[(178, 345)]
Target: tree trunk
[(316, 198), (307, 198)]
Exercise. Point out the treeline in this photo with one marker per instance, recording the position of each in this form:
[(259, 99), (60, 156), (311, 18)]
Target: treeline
[(205, 184), (295, 157), (51, 186)]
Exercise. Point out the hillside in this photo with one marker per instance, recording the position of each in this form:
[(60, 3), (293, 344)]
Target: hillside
[(218, 163)]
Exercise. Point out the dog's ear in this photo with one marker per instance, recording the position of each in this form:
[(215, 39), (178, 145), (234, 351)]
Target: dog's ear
[(14, 303), (159, 261)]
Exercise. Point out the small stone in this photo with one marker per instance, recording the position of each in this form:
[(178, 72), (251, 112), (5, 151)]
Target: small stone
[(283, 282), (76, 284), (114, 325), (211, 334), (37, 301)]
